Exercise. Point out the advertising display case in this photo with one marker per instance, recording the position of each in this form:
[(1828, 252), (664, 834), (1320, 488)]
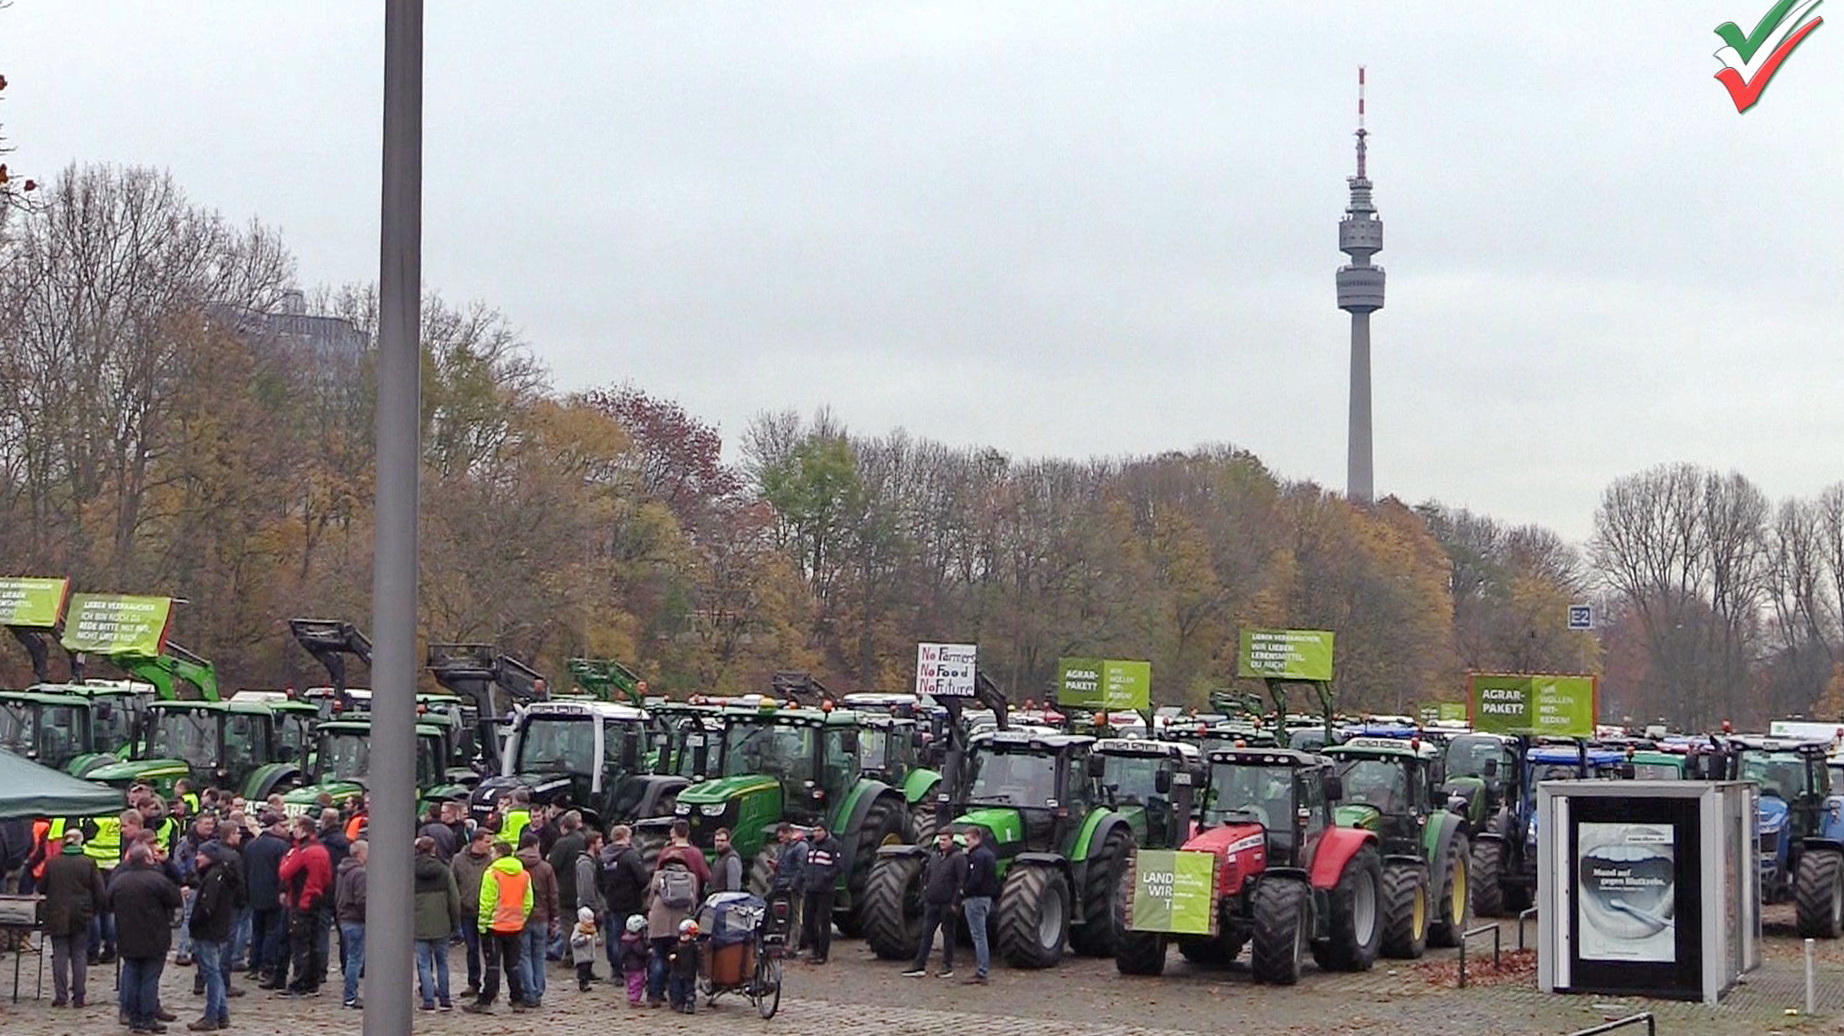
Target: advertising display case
[(1647, 887)]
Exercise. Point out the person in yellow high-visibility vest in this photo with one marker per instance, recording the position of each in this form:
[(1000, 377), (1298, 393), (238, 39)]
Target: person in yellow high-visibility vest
[(516, 819), (106, 838)]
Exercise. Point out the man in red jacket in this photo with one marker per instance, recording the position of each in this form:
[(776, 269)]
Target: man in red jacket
[(306, 875)]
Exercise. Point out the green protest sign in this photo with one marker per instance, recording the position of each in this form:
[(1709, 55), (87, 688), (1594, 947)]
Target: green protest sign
[(27, 601), (1286, 654), (1533, 704), (1096, 683), (1172, 891), (117, 624), (1442, 712)]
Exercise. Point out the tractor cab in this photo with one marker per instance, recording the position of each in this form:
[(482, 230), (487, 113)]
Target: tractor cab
[(1391, 786), (1274, 800), (342, 764), (1799, 826), (51, 728), (226, 744), (1024, 786), (1142, 778), (1481, 773), (589, 752)]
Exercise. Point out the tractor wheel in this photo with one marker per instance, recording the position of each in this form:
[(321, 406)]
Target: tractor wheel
[(1453, 906), (1099, 930), (1488, 877), (892, 912), (1283, 929), (1135, 953), (922, 822), (762, 870), (1033, 916), (1818, 894), (1219, 952), (886, 823), (1405, 911), (1356, 921)]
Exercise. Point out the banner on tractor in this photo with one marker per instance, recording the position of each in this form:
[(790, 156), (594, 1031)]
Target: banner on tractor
[(1099, 683), (946, 670), (30, 601), (1533, 704), (1173, 891), (118, 624), (1286, 655)]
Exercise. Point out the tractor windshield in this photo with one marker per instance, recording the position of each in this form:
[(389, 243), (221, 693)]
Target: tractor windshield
[(430, 748), (1132, 779), (1780, 774), (1240, 794), (1657, 772), (292, 730), (1379, 782), (1468, 754), (874, 748), (18, 727), (1012, 778), (557, 744), (344, 755), (243, 743), (112, 720), (192, 736), (784, 749), (45, 733)]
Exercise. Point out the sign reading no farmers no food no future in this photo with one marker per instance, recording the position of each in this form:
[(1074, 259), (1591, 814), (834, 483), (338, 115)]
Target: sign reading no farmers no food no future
[(946, 670)]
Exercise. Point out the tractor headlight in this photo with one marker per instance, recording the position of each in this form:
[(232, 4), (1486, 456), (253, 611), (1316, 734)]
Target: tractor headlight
[(712, 809), (681, 809)]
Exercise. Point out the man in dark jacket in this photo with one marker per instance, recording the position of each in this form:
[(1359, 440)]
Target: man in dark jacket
[(976, 897), (817, 880), (307, 878), (785, 883), (562, 858), (214, 912), (439, 830), (544, 920), (349, 911), (143, 899), (73, 892), (726, 865), (624, 876), (262, 862), (943, 875), (469, 865)]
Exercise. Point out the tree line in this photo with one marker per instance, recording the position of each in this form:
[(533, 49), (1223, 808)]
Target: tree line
[(171, 422)]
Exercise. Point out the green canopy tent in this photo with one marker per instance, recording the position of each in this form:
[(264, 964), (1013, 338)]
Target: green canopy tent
[(30, 790)]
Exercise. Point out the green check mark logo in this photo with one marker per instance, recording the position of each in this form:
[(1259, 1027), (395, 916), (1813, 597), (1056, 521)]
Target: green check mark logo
[(1751, 60), (1747, 45)]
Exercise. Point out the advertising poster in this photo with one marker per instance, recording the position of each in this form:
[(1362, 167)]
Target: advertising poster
[(1626, 893)]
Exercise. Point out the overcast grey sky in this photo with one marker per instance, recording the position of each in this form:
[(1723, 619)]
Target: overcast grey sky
[(1059, 228)]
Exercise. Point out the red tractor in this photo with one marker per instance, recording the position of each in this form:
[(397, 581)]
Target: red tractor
[(1288, 880)]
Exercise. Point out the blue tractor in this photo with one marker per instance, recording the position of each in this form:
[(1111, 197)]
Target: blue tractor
[(1801, 828)]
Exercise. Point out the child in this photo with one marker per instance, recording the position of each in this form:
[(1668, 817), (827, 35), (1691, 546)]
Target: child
[(582, 947), (632, 959), (682, 989)]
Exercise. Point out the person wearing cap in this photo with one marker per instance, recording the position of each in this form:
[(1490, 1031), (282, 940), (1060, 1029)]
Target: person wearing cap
[(73, 890), (214, 911), (943, 874), (682, 991)]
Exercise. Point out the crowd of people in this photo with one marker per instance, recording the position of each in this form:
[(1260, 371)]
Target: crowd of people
[(232, 888)]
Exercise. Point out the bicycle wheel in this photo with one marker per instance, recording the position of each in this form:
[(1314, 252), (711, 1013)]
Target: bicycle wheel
[(767, 985)]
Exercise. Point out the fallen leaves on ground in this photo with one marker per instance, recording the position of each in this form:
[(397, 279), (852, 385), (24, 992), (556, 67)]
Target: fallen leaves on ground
[(1513, 966)]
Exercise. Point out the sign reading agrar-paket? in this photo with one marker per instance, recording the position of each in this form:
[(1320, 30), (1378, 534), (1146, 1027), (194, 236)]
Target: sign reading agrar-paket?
[(1097, 683), (1286, 655), (29, 601), (118, 624), (1509, 703)]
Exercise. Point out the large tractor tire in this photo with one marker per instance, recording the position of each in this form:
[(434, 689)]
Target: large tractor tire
[(922, 822), (1135, 953), (1283, 930), (1100, 927), (1356, 921), (1453, 903), (1033, 916), (1818, 894), (1405, 911), (886, 823), (1488, 878), (1219, 952), (892, 914)]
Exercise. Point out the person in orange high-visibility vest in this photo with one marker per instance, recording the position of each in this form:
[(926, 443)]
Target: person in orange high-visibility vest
[(506, 900)]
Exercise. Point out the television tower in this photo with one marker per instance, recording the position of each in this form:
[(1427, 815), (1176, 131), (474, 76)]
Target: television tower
[(1360, 293)]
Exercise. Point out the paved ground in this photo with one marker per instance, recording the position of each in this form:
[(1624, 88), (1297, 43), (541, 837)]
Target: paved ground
[(857, 994)]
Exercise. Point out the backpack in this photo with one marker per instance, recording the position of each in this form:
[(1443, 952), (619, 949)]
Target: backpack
[(678, 887)]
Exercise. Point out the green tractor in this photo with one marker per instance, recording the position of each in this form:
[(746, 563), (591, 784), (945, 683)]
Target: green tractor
[(222, 744), (342, 765), (73, 726), (1062, 843), (1392, 787), (798, 765)]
